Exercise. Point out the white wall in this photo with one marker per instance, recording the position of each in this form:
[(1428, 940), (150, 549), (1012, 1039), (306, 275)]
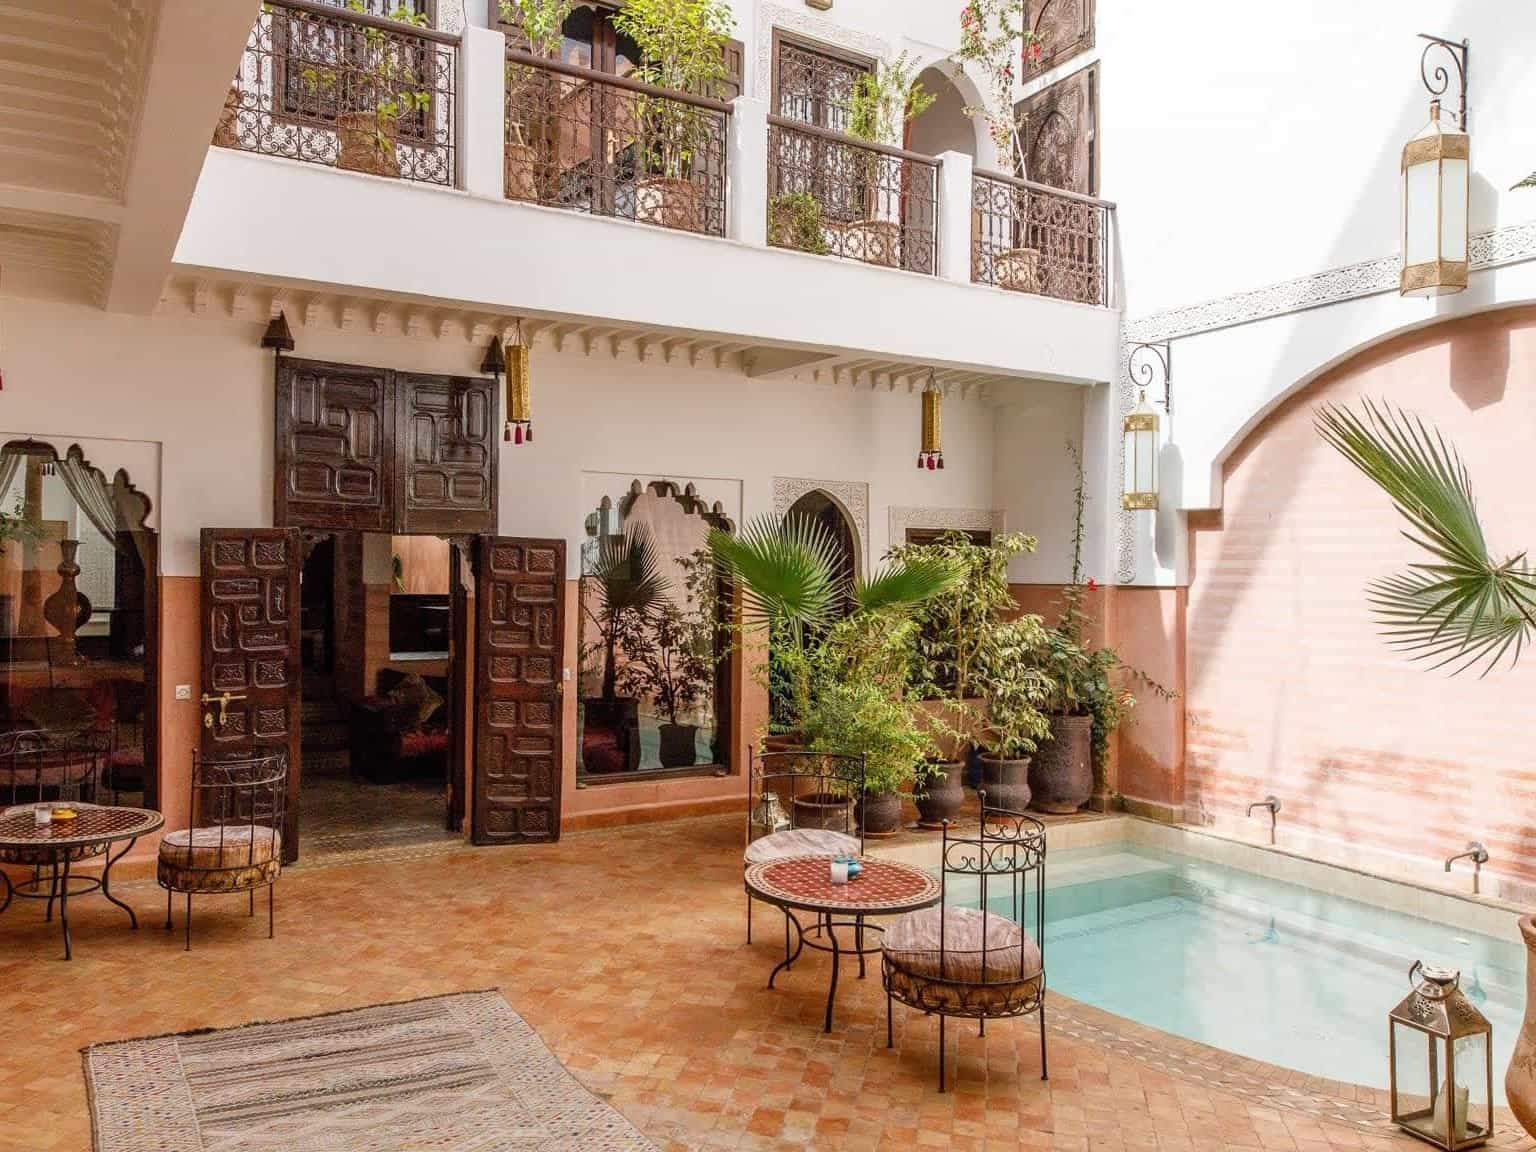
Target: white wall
[(201, 389), (1033, 478)]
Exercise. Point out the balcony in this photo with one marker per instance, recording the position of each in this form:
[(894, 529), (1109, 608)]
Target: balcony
[(585, 201)]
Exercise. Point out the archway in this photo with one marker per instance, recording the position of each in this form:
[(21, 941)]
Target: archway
[(944, 126), (823, 508)]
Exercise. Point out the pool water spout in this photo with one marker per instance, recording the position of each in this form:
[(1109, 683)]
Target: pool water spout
[(1476, 853), (1271, 802)]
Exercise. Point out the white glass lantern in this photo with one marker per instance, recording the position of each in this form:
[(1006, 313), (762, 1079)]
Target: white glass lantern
[(1441, 1062), (1140, 488), (1436, 175)]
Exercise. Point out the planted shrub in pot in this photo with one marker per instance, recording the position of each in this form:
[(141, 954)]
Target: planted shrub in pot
[(883, 101), (1016, 690), (682, 45), (795, 221), (382, 84), (673, 668), (531, 92)]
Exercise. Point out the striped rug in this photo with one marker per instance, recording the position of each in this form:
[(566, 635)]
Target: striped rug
[(461, 1072)]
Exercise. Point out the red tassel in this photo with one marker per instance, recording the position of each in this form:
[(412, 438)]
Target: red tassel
[(931, 464), (517, 436)]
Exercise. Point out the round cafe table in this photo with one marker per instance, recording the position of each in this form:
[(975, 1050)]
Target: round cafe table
[(804, 884), (55, 846)]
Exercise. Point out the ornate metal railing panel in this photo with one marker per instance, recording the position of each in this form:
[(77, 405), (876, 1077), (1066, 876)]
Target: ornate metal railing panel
[(593, 142), (327, 85), (837, 195), (1030, 238)]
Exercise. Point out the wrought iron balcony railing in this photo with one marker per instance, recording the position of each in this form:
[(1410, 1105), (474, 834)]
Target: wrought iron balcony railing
[(594, 142), (1028, 237), (837, 195), (328, 85)]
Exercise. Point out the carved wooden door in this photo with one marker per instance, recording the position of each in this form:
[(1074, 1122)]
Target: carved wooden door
[(333, 446), (445, 470), (519, 667), (250, 650)]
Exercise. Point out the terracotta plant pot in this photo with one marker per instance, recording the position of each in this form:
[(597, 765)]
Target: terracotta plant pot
[(881, 814), (226, 134), (365, 142), (944, 794), (784, 742), (521, 180), (823, 810), (1061, 770), (670, 203), (1520, 1079), (679, 745), (1006, 783), (874, 242), (1018, 270)]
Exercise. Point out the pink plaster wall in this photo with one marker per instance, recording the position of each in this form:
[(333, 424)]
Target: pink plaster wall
[(1291, 689)]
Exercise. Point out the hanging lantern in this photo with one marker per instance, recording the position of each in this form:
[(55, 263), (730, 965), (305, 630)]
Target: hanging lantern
[(1140, 457), (1441, 1062), (1436, 174), (932, 454)]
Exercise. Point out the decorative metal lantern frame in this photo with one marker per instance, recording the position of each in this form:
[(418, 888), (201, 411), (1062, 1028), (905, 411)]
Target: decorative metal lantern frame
[(1441, 1055), (1437, 173), (932, 454)]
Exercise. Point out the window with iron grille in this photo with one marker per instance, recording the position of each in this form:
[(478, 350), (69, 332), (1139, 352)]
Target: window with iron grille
[(815, 86)]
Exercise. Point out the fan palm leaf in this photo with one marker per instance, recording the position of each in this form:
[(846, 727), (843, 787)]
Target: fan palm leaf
[(628, 573), (787, 571), (1461, 607), (904, 584)]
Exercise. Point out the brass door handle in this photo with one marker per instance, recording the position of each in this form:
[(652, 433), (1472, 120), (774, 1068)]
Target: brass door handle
[(223, 700)]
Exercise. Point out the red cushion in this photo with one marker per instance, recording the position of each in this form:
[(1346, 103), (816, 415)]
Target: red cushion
[(423, 743)]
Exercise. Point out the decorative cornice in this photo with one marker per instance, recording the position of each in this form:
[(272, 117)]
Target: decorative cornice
[(1493, 249), (963, 519), (807, 24), (851, 495)]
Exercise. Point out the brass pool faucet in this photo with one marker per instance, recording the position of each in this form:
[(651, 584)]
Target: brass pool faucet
[(1271, 802), (1476, 853)]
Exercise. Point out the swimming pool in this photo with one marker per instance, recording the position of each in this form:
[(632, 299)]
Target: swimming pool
[(1271, 970)]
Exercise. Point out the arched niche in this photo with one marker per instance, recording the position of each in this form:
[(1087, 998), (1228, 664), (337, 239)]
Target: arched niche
[(79, 583), (672, 664), (826, 510)]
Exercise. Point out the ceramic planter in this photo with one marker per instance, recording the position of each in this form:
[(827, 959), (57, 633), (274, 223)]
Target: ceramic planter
[(1018, 270), (881, 814), (226, 134), (1061, 770), (823, 810), (670, 203), (875, 242), (1520, 1079), (365, 142), (944, 794), (679, 745), (521, 181), (1006, 783)]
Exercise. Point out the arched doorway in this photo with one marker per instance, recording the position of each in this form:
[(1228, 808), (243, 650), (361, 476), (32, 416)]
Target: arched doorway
[(824, 510), (943, 126)]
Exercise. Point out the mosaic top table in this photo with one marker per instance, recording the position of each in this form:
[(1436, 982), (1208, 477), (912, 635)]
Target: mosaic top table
[(56, 846), (804, 884)]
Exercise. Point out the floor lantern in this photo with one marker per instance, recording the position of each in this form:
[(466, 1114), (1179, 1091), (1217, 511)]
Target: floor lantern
[(1441, 1057), (1437, 171)]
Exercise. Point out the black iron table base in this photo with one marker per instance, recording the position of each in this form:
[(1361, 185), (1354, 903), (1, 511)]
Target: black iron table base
[(827, 925), (58, 885)]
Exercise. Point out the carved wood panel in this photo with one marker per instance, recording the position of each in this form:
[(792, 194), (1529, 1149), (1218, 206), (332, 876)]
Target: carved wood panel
[(250, 649), (445, 466), (1065, 28), (332, 445), (519, 663), (1060, 126)]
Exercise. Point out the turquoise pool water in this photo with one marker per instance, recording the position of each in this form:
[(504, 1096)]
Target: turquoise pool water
[(1270, 970)]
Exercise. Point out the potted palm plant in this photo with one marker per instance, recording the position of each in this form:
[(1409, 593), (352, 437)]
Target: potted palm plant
[(541, 24), (953, 630), (883, 101), (627, 585), (993, 35), (682, 45)]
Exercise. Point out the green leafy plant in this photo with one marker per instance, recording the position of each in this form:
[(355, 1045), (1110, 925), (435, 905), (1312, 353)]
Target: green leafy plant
[(994, 34), (628, 584), (19, 526), (1015, 688), (673, 664), (682, 45), (885, 98), (1460, 607), (795, 221), (541, 24), (381, 76)]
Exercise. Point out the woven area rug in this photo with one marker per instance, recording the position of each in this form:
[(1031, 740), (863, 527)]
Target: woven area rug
[(461, 1072)]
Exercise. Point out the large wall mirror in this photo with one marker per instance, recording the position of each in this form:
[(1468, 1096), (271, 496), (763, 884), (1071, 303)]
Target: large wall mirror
[(654, 637), (78, 627)]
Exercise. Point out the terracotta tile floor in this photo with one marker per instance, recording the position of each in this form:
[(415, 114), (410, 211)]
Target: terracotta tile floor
[(624, 949)]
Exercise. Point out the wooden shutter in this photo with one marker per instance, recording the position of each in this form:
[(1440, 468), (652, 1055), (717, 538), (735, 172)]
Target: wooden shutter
[(332, 445), (519, 667), (250, 649), (1060, 125), (445, 464), (735, 69), (1065, 28)]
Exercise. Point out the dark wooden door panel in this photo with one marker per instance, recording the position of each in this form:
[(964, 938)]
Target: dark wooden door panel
[(519, 664), (333, 446), (250, 649), (445, 472)]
